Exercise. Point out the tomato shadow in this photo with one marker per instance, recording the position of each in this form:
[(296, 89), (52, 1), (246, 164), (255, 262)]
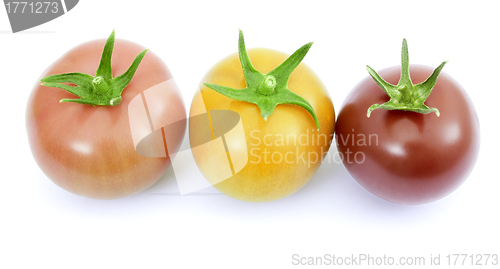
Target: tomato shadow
[(337, 194)]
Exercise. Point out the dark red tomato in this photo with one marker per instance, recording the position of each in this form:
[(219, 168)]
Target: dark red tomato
[(407, 157), (88, 150)]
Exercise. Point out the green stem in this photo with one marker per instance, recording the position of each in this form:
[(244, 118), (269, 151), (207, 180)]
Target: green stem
[(406, 96), (101, 89), (267, 90), (267, 86)]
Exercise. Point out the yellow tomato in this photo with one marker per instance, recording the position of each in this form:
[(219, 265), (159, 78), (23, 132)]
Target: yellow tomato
[(284, 151)]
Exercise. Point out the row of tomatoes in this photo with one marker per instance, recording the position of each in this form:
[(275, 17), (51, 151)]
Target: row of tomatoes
[(393, 144)]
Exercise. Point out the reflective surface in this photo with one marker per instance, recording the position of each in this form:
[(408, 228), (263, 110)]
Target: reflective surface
[(89, 150), (406, 157)]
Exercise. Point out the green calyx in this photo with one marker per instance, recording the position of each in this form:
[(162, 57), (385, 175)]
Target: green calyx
[(101, 90), (406, 96), (267, 90)]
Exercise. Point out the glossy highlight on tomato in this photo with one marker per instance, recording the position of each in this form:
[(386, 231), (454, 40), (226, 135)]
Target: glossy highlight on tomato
[(88, 149), (407, 157)]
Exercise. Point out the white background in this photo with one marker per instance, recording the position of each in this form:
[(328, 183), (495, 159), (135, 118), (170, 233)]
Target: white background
[(42, 224)]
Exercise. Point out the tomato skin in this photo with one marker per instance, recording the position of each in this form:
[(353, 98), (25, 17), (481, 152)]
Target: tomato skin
[(89, 150), (407, 157), (261, 180)]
